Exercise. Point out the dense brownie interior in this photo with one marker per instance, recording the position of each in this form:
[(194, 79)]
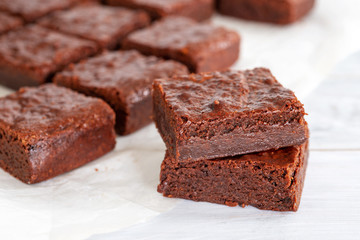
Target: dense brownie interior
[(271, 180)]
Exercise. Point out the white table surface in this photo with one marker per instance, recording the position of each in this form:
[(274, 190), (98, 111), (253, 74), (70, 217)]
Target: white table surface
[(119, 201)]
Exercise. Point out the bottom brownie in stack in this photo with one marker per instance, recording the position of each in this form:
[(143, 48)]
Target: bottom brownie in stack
[(271, 180), (232, 137)]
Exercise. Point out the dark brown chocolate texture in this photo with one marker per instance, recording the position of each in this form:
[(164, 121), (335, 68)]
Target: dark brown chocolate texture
[(195, 9), (8, 22), (49, 130), (29, 56), (107, 26), (202, 47), (124, 80), (274, 11), (271, 180), (31, 10), (220, 114)]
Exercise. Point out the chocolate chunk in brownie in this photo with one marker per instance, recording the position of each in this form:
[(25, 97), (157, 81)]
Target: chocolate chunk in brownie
[(49, 130), (8, 22), (202, 47), (275, 11), (31, 10), (107, 26), (271, 180), (31, 55), (123, 79), (195, 9), (220, 114)]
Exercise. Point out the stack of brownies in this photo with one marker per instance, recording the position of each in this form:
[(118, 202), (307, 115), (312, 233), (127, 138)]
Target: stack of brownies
[(232, 137)]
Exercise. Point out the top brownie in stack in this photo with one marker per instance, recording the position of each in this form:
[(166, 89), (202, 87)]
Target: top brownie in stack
[(221, 114), (202, 47), (107, 26), (8, 22), (30, 10), (195, 9)]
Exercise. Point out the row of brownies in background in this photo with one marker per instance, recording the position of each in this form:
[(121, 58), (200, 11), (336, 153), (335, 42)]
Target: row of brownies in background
[(208, 121)]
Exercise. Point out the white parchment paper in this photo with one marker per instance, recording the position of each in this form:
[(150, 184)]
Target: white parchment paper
[(119, 189)]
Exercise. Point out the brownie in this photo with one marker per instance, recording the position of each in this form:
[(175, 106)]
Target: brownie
[(8, 22), (107, 26), (274, 11), (123, 79), (49, 130), (271, 180), (200, 46), (221, 114), (196, 9), (31, 10), (29, 56)]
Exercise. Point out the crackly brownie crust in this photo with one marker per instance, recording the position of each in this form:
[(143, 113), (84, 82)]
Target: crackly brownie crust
[(8, 22), (123, 79), (49, 130), (195, 9), (107, 26), (275, 11), (212, 115), (31, 10), (29, 56), (271, 180), (202, 47)]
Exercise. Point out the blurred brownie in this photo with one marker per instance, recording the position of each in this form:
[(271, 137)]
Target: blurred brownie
[(123, 79), (221, 114), (271, 180), (49, 130), (202, 47), (274, 11), (30, 10), (31, 55), (196, 9), (8, 22), (107, 26)]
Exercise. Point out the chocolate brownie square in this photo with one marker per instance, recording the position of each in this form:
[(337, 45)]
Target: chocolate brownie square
[(275, 11), (49, 130), (107, 26), (8, 22), (271, 180), (31, 10), (221, 114), (124, 80), (196, 9), (202, 47), (29, 56)]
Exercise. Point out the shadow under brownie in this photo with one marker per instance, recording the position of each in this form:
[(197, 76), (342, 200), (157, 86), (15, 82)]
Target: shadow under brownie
[(124, 80), (221, 114), (49, 130), (271, 180)]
